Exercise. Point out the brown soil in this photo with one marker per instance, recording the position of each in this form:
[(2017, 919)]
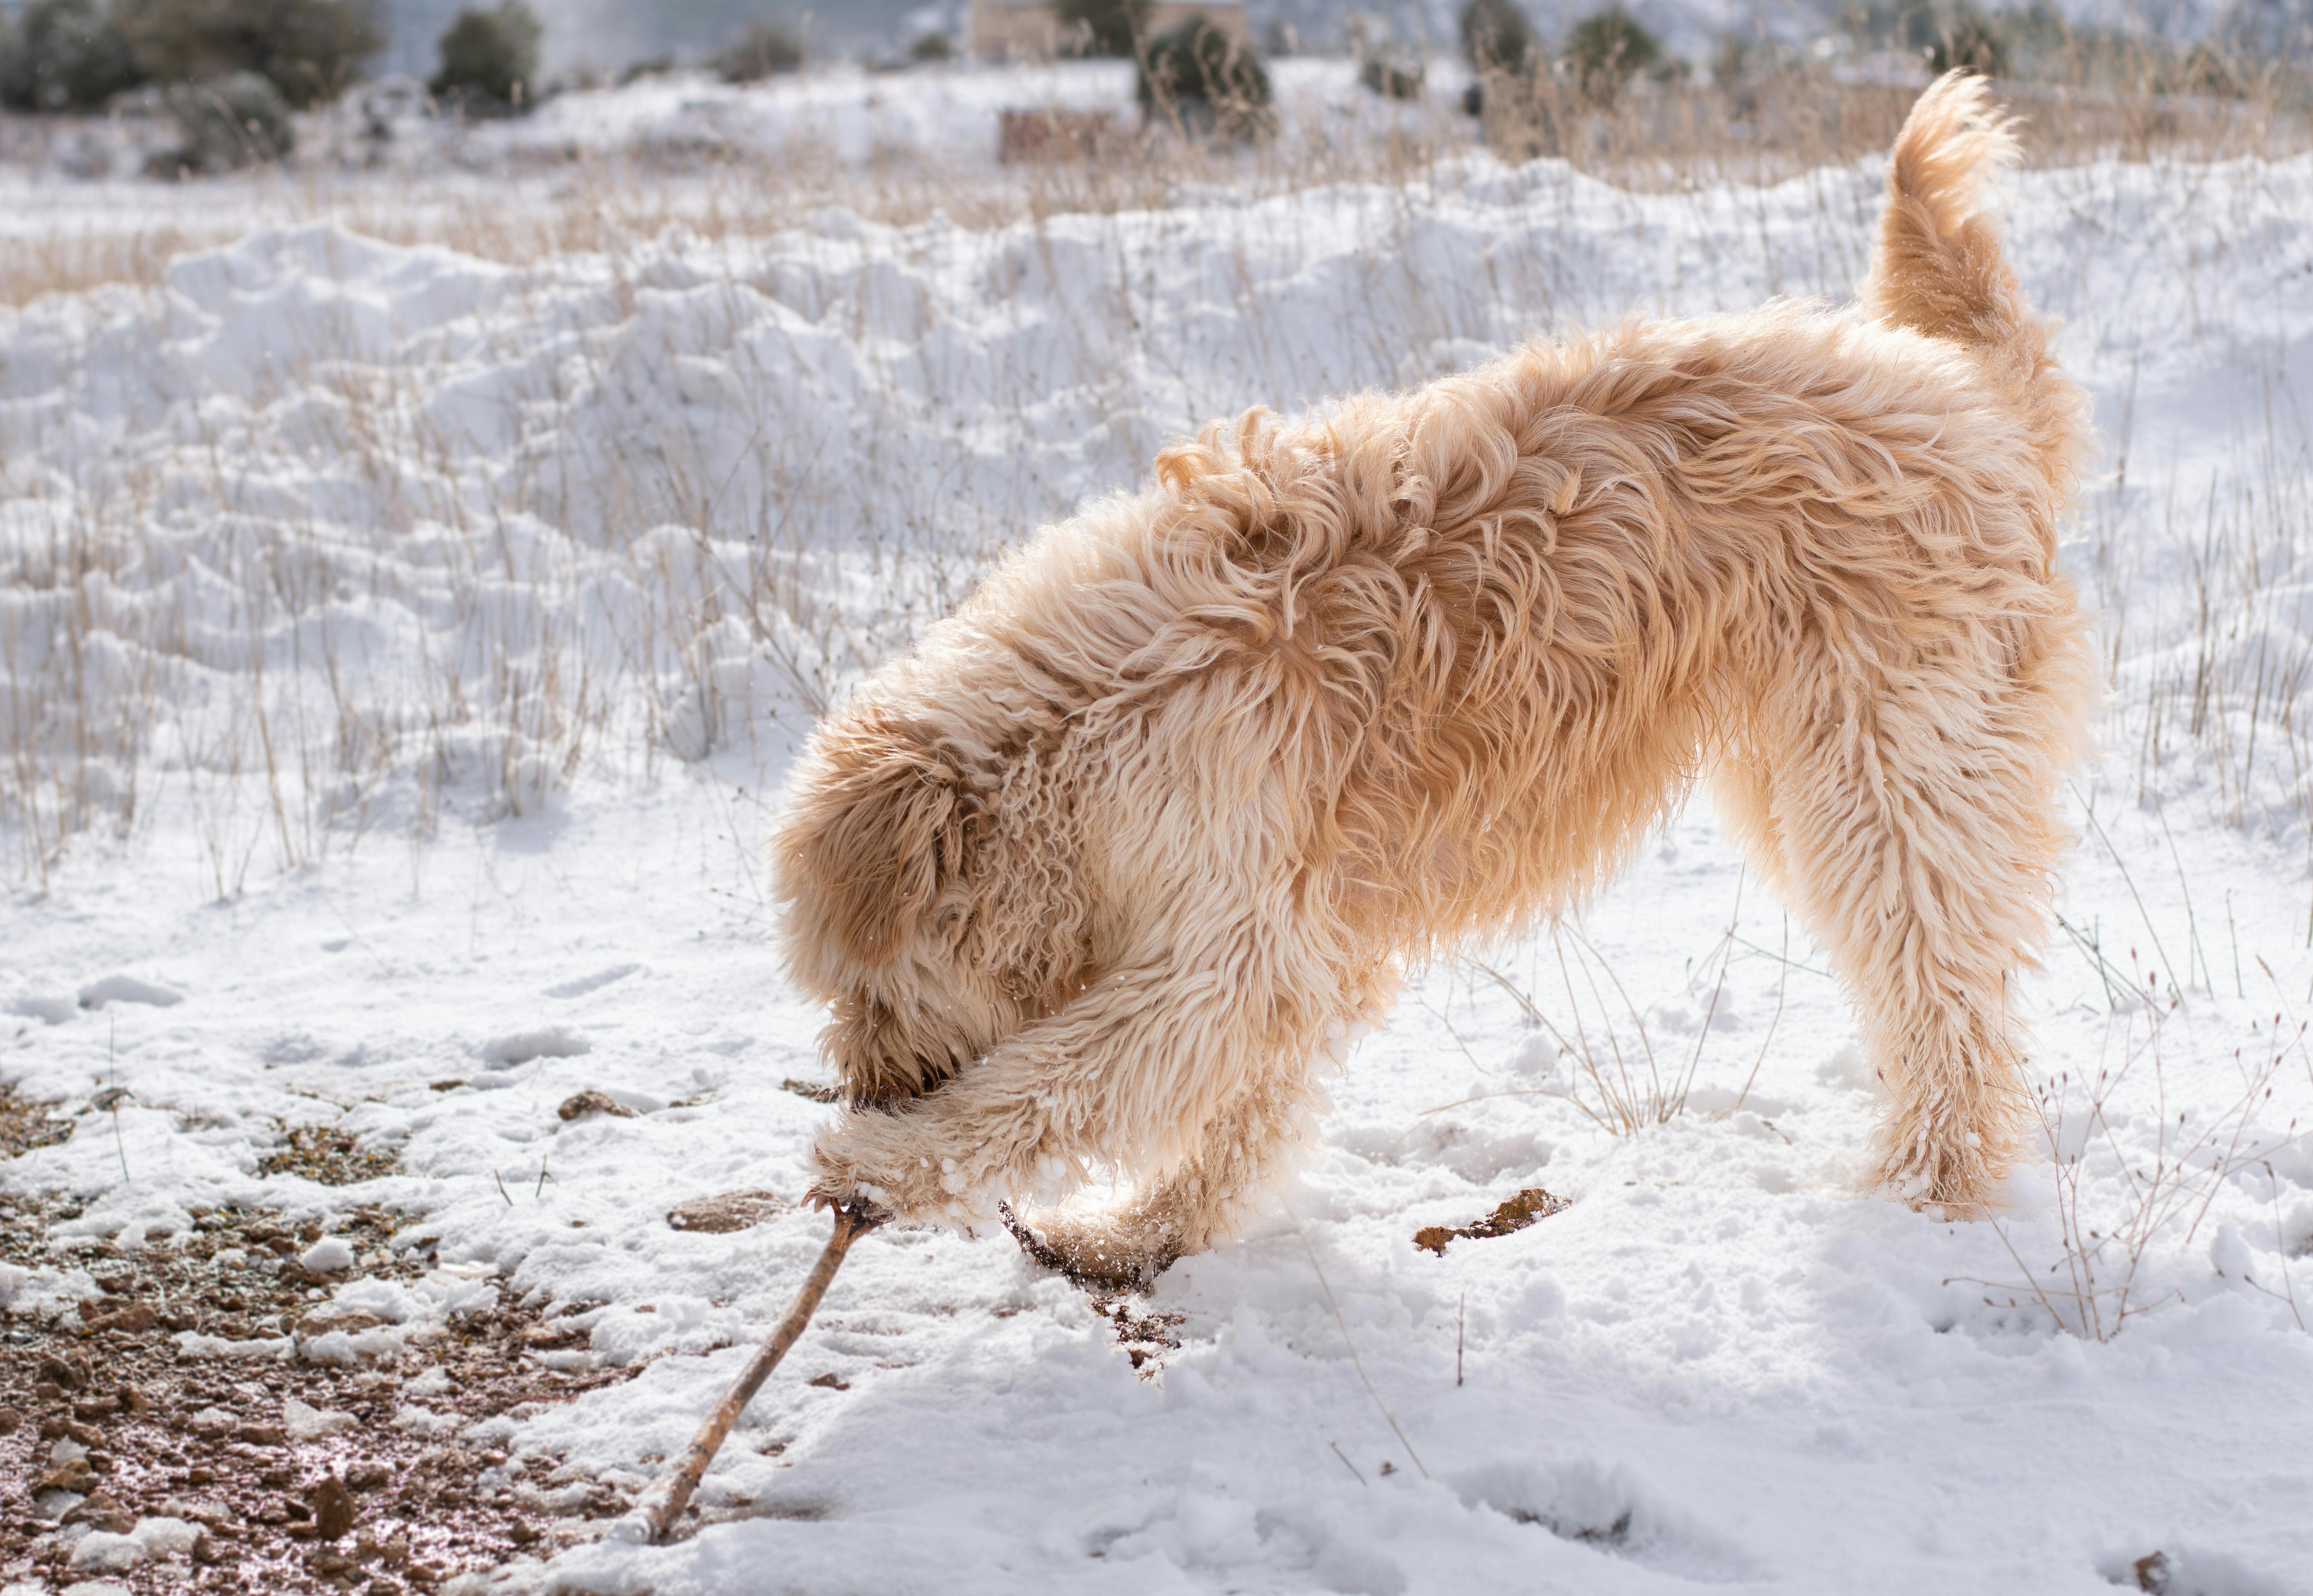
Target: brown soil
[(371, 1508), (1532, 1204), (25, 1125)]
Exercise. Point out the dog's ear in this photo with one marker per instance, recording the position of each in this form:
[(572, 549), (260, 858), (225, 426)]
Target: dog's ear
[(879, 841)]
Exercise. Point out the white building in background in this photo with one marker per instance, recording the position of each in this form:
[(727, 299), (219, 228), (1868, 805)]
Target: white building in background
[(1030, 30)]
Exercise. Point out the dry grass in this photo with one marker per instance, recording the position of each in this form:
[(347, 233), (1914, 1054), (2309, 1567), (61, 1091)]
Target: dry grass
[(737, 597), (2121, 1193), (2083, 100)]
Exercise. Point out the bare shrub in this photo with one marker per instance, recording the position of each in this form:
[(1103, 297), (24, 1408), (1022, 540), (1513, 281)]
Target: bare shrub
[(2122, 1195), (65, 54), (764, 51), (490, 59)]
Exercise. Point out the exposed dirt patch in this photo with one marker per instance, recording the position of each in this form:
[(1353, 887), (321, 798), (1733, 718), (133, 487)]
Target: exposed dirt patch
[(590, 1102), (25, 1124), (731, 1211), (302, 1476), (326, 1157), (1532, 1204)]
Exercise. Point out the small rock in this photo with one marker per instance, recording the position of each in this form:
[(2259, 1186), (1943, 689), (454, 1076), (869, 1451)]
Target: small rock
[(368, 1476), (136, 1318), (730, 1211), (197, 1509), (58, 1371), (263, 1435), (590, 1101), (333, 1507), (322, 1324), (72, 1475), (101, 1511), (9, 1419), (831, 1384)]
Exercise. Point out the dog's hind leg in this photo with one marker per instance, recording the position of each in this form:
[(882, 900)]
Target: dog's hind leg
[(1200, 1199), (1909, 788)]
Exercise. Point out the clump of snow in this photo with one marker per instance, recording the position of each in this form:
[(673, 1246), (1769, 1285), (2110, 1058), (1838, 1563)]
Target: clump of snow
[(166, 1537), (44, 1293), (127, 989), (107, 1554), (550, 1041), (329, 1256), (305, 1421), (420, 1420)]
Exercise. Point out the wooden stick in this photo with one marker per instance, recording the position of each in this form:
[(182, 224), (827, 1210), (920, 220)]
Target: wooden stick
[(852, 1221)]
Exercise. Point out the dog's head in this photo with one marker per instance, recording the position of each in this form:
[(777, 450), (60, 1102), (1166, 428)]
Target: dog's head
[(912, 908)]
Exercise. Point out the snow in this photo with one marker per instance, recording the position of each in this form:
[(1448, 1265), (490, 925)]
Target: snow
[(328, 1256), (460, 620)]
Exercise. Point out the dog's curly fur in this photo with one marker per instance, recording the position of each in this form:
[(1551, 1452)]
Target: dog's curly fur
[(1099, 873)]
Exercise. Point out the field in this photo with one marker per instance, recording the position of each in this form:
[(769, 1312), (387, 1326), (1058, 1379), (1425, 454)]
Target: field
[(413, 582)]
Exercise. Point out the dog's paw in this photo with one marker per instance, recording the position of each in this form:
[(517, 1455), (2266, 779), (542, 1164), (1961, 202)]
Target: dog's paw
[(887, 1161), (884, 1186), (1095, 1255)]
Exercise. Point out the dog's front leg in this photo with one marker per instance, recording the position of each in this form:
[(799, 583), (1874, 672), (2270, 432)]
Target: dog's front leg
[(1157, 1069)]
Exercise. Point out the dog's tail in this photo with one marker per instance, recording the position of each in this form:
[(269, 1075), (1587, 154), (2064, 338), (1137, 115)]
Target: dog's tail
[(1938, 268)]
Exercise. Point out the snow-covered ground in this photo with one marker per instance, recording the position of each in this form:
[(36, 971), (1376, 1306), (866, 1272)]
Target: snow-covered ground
[(401, 654)]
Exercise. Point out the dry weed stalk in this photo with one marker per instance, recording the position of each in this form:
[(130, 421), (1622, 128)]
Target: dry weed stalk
[(1622, 1091), (2095, 1285)]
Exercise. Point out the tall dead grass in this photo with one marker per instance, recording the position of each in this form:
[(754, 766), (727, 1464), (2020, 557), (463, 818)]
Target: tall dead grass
[(178, 624), (1769, 120)]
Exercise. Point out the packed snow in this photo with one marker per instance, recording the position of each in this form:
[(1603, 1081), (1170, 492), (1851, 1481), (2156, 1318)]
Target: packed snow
[(403, 654)]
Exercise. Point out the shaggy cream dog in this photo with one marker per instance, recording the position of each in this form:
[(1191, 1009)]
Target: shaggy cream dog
[(1099, 875)]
